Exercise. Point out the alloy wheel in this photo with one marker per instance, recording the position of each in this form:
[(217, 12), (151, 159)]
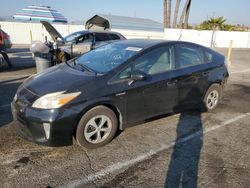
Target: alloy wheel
[(97, 129), (212, 99)]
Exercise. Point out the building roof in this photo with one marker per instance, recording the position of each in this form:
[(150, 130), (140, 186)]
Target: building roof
[(122, 22)]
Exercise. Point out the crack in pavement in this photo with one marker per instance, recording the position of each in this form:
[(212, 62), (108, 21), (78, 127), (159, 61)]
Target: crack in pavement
[(91, 166)]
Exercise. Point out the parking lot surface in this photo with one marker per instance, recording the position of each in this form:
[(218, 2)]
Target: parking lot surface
[(190, 149)]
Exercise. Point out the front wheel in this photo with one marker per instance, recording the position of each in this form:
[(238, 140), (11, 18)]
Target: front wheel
[(212, 97), (97, 127)]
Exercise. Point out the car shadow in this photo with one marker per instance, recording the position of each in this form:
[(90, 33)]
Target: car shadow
[(7, 93)]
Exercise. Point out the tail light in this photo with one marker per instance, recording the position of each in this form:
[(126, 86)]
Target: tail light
[(6, 36)]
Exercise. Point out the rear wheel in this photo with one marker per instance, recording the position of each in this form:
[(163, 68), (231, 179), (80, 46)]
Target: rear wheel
[(212, 97), (97, 127)]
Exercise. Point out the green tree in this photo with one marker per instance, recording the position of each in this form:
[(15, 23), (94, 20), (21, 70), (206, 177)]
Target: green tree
[(213, 23)]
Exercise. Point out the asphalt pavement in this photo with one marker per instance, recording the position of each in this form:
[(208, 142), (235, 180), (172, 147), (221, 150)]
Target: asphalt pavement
[(190, 149)]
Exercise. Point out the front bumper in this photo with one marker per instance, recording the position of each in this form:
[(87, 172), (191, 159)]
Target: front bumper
[(47, 127)]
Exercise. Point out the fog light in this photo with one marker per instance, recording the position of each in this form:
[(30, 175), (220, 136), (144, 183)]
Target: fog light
[(46, 127)]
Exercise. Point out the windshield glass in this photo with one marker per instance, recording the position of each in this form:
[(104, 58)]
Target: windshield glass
[(106, 58), (71, 37)]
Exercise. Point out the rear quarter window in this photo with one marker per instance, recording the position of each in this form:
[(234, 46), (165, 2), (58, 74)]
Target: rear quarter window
[(212, 57), (114, 37), (188, 55), (102, 37)]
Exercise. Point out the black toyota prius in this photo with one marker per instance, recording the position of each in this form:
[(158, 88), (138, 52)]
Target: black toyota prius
[(105, 90)]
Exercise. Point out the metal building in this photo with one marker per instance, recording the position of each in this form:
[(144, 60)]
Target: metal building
[(104, 22)]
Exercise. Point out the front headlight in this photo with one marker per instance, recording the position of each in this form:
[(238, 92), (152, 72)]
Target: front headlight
[(54, 100)]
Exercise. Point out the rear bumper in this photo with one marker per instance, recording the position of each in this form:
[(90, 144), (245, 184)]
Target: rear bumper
[(46, 127), (7, 43)]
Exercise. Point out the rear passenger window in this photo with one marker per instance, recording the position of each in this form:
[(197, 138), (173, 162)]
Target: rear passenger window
[(114, 37), (188, 55), (101, 37)]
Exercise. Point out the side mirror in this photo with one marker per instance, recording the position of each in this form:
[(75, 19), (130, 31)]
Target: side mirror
[(138, 75), (75, 41)]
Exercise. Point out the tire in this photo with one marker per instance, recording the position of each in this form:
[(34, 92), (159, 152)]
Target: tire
[(96, 128), (212, 97)]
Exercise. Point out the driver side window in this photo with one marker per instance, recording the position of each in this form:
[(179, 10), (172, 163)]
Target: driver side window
[(85, 38), (156, 61)]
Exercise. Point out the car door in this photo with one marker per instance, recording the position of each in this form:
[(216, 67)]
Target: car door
[(190, 74), (82, 44), (154, 95), (101, 39)]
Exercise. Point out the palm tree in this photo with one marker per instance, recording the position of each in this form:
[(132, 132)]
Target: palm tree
[(187, 15), (165, 13), (176, 12), (216, 23), (169, 13), (184, 13)]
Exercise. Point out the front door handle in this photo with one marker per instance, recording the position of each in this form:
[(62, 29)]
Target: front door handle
[(204, 73), (172, 83)]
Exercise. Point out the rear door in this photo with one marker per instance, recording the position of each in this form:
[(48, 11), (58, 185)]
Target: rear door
[(190, 74)]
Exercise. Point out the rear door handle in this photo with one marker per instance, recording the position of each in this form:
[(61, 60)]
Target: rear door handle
[(172, 83), (204, 73)]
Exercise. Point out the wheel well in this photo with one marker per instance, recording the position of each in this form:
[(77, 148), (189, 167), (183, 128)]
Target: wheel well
[(111, 107), (215, 83), (117, 113)]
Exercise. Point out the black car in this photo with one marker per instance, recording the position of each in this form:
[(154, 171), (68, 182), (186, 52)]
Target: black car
[(80, 42), (115, 86)]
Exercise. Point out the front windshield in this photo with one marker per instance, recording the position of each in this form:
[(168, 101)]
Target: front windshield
[(106, 58), (71, 37)]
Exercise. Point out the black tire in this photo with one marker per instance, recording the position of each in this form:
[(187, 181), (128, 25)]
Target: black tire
[(213, 89), (95, 112)]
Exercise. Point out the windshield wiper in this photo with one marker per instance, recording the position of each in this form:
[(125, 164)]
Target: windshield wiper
[(83, 66), (69, 62)]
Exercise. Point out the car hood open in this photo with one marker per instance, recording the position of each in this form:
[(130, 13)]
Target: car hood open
[(58, 78), (55, 35)]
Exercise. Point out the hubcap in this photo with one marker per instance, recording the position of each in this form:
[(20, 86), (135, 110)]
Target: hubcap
[(212, 99), (97, 129)]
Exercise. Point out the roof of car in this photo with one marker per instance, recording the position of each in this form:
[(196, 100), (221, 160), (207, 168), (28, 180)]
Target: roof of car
[(96, 31), (147, 43), (141, 43)]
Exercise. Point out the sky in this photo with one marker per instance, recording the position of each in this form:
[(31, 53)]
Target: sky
[(236, 12)]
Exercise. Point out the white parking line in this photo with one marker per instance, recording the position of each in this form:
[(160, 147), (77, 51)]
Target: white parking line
[(125, 164), (237, 72)]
